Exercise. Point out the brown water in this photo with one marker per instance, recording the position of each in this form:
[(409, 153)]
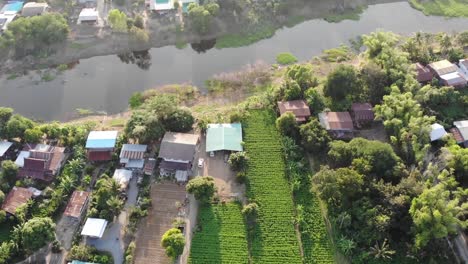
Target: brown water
[(105, 83)]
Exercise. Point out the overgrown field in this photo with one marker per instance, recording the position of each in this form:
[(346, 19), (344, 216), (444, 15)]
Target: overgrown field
[(274, 239), (222, 238), (448, 8)]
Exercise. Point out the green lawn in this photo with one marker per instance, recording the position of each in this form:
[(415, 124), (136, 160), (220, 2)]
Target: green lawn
[(222, 238), (448, 8), (274, 239)]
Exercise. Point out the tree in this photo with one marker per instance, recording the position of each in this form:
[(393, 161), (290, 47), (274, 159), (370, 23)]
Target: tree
[(314, 137), (115, 205), (6, 250), (238, 161), (435, 214), (287, 125), (139, 23), (174, 242), (341, 82), (375, 81), (315, 100), (250, 211), (338, 187), (139, 36), (203, 188), (202, 15), (33, 135), (136, 100), (117, 20), (181, 120), (376, 42), (303, 75), (5, 115), (382, 251), (36, 232), (2, 216), (9, 172), (291, 90), (17, 125)]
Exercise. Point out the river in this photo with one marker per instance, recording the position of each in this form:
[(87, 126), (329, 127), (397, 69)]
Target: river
[(105, 83)]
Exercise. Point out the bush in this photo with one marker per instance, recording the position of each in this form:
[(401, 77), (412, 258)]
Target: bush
[(174, 242), (285, 58), (241, 177), (203, 188), (238, 161)]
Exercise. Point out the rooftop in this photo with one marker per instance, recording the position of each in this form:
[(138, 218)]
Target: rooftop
[(437, 132), (4, 146), (443, 67), (362, 111), (75, 205), (12, 7), (464, 62), (133, 151), (224, 137), (94, 227), (101, 139), (463, 128), (123, 177), (15, 198), (336, 120), (178, 146), (298, 107), (453, 78)]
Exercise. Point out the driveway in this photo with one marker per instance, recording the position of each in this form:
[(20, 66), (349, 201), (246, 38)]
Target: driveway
[(112, 241), (165, 197)]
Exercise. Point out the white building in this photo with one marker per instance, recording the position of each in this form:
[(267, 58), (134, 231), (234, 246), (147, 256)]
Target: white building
[(464, 67), (88, 16), (122, 177), (437, 132), (94, 227)]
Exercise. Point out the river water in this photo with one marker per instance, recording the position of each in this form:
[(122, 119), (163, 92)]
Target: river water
[(105, 83)]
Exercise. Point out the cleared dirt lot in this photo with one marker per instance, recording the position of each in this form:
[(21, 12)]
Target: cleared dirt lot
[(159, 220)]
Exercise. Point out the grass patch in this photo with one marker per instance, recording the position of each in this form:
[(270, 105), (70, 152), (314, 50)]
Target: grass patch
[(47, 77), (222, 237), (286, 58), (448, 8), (76, 45), (118, 122), (244, 39), (273, 239), (339, 54), (62, 67), (12, 76), (349, 14)]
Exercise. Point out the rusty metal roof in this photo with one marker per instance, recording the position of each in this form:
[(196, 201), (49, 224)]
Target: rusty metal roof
[(76, 204), (15, 198)]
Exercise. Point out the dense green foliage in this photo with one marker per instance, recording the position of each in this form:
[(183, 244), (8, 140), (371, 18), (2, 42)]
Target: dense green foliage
[(238, 161), (203, 188), (273, 239), (105, 201), (285, 58), (117, 20), (314, 137), (222, 237), (88, 253), (287, 125), (174, 242), (36, 232), (447, 8), (342, 82), (201, 16)]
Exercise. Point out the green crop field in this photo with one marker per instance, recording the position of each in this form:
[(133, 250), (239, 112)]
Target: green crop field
[(222, 238), (274, 239)]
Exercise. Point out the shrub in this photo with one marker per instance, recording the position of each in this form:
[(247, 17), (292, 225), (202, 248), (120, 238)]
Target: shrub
[(174, 242), (238, 161), (285, 58)]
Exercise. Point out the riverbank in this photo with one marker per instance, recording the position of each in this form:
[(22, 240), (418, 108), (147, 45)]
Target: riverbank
[(446, 8)]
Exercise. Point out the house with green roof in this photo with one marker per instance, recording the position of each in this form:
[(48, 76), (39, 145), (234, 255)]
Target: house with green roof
[(224, 137)]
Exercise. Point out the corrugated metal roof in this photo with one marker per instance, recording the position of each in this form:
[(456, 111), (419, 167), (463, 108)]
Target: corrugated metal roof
[(336, 121), (15, 198), (101, 139), (94, 227), (4, 146), (133, 151), (224, 137), (298, 107), (443, 67), (75, 205), (178, 146), (463, 128)]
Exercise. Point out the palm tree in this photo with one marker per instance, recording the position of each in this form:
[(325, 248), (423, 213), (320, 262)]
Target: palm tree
[(382, 251), (67, 183), (115, 205)]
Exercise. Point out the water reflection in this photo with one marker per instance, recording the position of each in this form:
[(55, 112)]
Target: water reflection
[(142, 59), (203, 46)]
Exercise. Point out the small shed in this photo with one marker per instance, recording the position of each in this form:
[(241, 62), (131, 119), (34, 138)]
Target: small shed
[(94, 227), (455, 79), (339, 124), (88, 16), (362, 113), (133, 156), (150, 165), (77, 204), (15, 198), (299, 108), (460, 132), (123, 177), (437, 132), (423, 74), (442, 67), (34, 9), (463, 64), (224, 137)]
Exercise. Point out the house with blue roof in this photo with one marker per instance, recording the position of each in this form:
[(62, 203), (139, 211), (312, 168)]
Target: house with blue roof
[(100, 145)]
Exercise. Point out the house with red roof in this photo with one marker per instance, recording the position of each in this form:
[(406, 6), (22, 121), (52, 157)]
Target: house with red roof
[(40, 161), (338, 124)]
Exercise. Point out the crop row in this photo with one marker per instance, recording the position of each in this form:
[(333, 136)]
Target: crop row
[(274, 238), (222, 238)]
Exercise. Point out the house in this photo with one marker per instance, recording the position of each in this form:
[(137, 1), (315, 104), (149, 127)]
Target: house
[(339, 124), (34, 9), (133, 156), (5, 147), (437, 132), (6, 19), (150, 165), (12, 8), (88, 16), (423, 74), (177, 152), (160, 6), (15, 198), (460, 132), (224, 137), (100, 145), (94, 227), (362, 113), (442, 67), (77, 204), (299, 108), (122, 177), (87, 2), (463, 64), (455, 79), (40, 161)]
